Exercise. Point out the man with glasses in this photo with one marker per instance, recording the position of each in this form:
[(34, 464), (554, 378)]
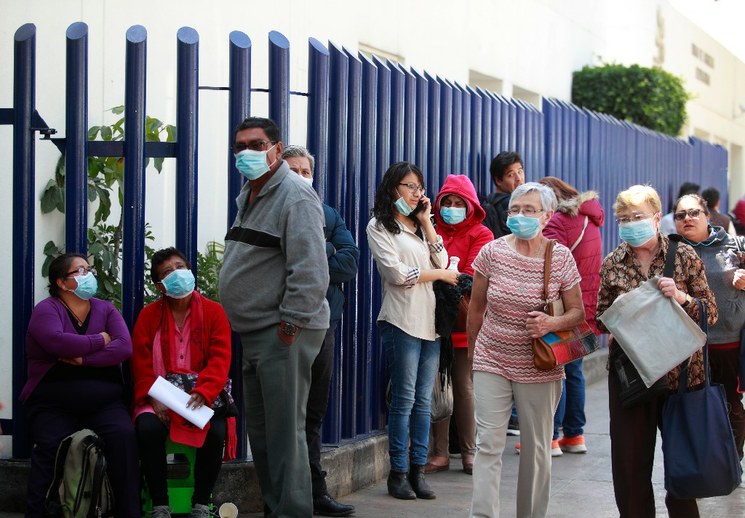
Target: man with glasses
[(273, 287)]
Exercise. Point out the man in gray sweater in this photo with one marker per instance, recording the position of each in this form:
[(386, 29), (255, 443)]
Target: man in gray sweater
[(273, 287)]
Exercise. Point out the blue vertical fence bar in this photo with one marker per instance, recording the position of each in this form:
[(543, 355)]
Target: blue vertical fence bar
[(367, 282), (445, 166), (239, 107), (465, 142), (318, 110), (350, 345), (456, 134), (133, 207), (76, 146), (335, 191), (432, 173), (422, 116), (24, 216), (483, 180), (279, 83), (187, 124), (398, 85), (384, 116), (410, 116), (476, 154)]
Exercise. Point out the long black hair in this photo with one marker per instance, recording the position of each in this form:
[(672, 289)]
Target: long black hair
[(384, 209)]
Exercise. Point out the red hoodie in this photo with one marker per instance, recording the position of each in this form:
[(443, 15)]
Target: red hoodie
[(465, 239)]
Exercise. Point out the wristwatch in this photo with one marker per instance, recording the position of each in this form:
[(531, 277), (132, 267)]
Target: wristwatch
[(288, 328), (688, 300)]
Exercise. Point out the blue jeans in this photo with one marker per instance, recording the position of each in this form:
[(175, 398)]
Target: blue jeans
[(571, 411), (412, 364)]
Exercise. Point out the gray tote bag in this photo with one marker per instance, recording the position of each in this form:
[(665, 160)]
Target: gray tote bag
[(653, 330)]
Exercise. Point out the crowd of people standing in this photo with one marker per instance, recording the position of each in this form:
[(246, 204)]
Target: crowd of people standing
[(507, 253)]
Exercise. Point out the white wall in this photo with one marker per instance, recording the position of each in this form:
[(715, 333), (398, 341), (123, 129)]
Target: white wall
[(533, 45)]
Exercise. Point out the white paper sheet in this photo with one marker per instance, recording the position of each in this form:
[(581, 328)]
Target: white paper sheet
[(176, 400)]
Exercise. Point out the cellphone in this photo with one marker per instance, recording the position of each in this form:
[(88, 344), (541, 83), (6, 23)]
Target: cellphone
[(419, 207)]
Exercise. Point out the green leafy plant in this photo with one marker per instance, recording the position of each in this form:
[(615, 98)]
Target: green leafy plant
[(208, 267), (105, 178), (649, 97)]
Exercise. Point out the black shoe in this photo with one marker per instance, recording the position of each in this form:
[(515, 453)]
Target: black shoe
[(418, 484), (327, 506), (399, 487)]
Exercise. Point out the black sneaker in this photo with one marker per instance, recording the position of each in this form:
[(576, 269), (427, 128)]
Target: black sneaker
[(513, 428)]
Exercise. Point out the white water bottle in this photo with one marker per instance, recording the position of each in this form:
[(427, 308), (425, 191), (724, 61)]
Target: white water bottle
[(454, 263)]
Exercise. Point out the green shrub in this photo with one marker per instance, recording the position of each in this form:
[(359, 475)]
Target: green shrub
[(649, 97)]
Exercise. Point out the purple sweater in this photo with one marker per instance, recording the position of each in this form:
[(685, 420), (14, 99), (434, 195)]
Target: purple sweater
[(51, 336)]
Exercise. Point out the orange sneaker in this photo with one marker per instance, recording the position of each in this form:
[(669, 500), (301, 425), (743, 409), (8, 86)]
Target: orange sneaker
[(555, 449), (573, 444)]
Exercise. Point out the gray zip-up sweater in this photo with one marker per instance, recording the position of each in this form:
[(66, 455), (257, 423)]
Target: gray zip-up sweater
[(275, 265), (719, 252)]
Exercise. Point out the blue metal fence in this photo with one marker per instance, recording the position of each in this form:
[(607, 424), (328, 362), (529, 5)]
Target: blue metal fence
[(363, 114)]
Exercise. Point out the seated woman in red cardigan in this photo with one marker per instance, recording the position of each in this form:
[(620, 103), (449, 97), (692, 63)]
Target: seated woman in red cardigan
[(182, 333)]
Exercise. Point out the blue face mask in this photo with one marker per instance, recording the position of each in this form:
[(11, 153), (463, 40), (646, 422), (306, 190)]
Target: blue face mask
[(453, 215), (403, 207), (524, 227), (636, 233), (87, 286), (252, 164), (179, 283)]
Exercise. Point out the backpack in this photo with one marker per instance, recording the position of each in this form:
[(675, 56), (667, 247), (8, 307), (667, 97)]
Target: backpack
[(81, 487)]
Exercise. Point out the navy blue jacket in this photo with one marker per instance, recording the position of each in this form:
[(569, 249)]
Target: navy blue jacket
[(343, 256)]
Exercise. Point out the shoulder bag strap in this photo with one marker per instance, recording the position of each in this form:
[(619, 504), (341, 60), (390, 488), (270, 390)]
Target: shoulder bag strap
[(579, 239), (547, 268), (669, 270)]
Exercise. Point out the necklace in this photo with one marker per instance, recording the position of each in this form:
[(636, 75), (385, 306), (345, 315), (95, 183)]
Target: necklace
[(75, 315)]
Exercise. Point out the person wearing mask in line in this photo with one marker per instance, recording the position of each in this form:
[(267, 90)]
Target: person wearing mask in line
[(633, 430), (75, 346), (723, 255), (503, 320), (506, 170), (410, 256), (182, 334), (343, 257), (667, 224), (458, 218), (273, 286)]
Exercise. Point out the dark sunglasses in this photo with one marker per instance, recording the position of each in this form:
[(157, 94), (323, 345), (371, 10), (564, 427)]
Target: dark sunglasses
[(694, 213)]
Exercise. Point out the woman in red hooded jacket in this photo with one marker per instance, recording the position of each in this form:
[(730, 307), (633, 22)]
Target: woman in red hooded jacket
[(458, 219), (576, 225)]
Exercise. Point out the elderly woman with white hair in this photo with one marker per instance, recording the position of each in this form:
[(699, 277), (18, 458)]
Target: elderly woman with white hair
[(502, 323)]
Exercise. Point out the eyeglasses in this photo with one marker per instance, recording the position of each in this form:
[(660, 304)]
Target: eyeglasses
[(81, 271), (526, 211), (413, 188), (694, 213), (254, 145), (636, 217)]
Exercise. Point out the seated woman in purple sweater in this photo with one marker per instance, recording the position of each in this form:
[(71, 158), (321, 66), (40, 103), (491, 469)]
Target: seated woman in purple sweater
[(74, 348)]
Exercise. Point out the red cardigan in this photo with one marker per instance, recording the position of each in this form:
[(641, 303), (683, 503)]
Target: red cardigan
[(212, 363)]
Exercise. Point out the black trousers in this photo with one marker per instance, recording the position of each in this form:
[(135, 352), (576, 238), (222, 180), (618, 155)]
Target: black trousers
[(724, 370), (633, 434), (58, 409), (318, 399), (151, 438)]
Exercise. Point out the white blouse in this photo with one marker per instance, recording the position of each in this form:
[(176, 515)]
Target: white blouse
[(400, 259)]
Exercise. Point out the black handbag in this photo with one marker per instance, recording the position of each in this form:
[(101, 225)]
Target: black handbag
[(632, 391), (699, 449)]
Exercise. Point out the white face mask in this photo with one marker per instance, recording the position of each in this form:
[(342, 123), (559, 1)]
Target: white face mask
[(309, 181)]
